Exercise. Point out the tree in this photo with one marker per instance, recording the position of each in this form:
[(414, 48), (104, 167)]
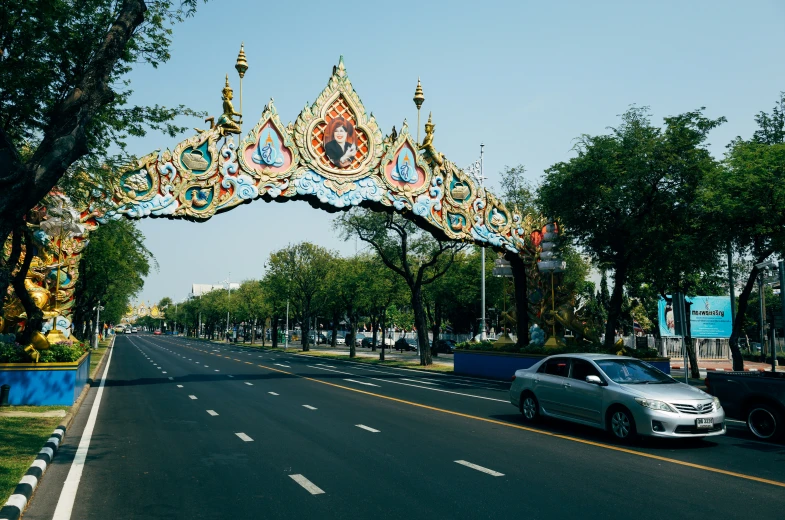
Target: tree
[(628, 200), (303, 268), (251, 304), (745, 200), (64, 95), (409, 252), (112, 271)]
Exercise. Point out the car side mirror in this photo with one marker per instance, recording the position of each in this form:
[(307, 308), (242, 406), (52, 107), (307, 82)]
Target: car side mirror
[(594, 380)]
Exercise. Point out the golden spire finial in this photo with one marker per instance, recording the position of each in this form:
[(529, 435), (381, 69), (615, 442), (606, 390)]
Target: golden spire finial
[(430, 119), (242, 63), (227, 82), (419, 97)]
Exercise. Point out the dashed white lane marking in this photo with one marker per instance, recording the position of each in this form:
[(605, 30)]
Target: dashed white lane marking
[(364, 427), (164, 372), (416, 381), (309, 407), (159, 368), (192, 396), (249, 384), (480, 468), (179, 386), (230, 375), (280, 365), (212, 412), (360, 382), (171, 378), (307, 484), (217, 370), (244, 437), (272, 393), (206, 366), (328, 366)]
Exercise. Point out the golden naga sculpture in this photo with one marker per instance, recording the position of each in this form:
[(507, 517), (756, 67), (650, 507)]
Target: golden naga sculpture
[(226, 123), (427, 143), (565, 315)]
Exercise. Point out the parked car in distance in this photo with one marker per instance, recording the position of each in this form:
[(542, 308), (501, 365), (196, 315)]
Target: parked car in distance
[(127, 330), (622, 395), (758, 398), (317, 338), (134, 330), (157, 332), (358, 339), (340, 339), (367, 342), (444, 346), (406, 344)]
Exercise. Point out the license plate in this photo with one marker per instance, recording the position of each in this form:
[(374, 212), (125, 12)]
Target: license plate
[(704, 423)]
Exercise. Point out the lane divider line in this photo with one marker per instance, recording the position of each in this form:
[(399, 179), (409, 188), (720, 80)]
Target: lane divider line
[(364, 427), (309, 407), (65, 504), (193, 397), (307, 484), (212, 412), (244, 437), (361, 382), (480, 468)]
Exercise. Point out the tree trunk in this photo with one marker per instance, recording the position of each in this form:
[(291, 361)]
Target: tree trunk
[(275, 331), (352, 346), (738, 324), (334, 329), (306, 330), (614, 310), (422, 326), (375, 329), (436, 327), (35, 317), (253, 331), (521, 298)]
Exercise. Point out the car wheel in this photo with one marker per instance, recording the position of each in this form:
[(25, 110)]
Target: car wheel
[(622, 425), (530, 408), (765, 422)]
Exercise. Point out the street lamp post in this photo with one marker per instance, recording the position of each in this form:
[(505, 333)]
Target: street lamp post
[(476, 169), (97, 310), (286, 332), (229, 285)]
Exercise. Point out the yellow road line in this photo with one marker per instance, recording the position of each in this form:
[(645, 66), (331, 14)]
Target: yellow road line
[(541, 432)]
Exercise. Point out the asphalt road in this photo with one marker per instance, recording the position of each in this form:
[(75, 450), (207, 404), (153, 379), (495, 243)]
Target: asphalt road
[(190, 429)]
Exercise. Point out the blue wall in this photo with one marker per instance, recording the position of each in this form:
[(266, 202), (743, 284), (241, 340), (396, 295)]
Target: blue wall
[(503, 366), (45, 387), (492, 365)]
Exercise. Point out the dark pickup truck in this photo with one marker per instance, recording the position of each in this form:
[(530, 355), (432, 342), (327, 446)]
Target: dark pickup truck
[(755, 397)]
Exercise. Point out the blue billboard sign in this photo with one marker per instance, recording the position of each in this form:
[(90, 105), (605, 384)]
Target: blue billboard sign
[(710, 317)]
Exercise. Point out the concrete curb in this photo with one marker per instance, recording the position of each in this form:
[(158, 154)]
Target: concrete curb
[(13, 508), (678, 367)]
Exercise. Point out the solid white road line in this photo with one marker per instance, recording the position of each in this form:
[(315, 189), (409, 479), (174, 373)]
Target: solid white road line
[(212, 412), (244, 437), (364, 427), (329, 370), (65, 504), (307, 484), (285, 366), (179, 386), (192, 397), (309, 407), (361, 383), (480, 468), (416, 381), (272, 393), (249, 384)]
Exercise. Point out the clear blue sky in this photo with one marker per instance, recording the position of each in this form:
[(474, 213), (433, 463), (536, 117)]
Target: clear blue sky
[(526, 78)]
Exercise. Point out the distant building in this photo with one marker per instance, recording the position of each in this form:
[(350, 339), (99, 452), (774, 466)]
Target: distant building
[(199, 289)]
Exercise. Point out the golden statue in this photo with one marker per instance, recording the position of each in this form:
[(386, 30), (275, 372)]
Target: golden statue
[(226, 122), (427, 143)]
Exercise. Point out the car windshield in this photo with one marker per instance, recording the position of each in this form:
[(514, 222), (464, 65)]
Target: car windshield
[(633, 372)]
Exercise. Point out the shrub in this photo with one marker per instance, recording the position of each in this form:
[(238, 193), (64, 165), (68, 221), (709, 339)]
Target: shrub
[(62, 353), (13, 353), (593, 348)]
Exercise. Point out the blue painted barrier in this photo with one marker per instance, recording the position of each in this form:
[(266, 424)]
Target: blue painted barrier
[(502, 365), (40, 384)]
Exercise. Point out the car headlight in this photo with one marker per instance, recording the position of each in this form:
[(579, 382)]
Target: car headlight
[(717, 404), (655, 405)]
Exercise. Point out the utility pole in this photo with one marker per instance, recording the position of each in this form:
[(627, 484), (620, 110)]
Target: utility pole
[(286, 332), (482, 268), (97, 310), (229, 300)]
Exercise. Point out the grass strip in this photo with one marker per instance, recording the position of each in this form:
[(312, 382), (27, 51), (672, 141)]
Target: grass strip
[(22, 439)]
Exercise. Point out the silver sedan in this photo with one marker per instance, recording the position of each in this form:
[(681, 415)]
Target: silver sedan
[(623, 395)]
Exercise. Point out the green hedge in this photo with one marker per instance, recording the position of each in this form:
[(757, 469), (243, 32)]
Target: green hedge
[(57, 353), (595, 348)]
